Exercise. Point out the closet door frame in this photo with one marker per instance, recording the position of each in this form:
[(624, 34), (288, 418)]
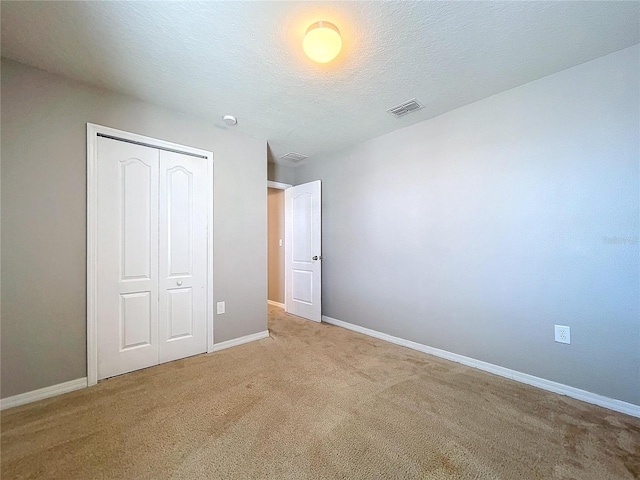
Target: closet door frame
[(93, 132)]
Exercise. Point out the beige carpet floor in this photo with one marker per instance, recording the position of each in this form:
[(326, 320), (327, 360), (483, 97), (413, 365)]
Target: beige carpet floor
[(316, 401)]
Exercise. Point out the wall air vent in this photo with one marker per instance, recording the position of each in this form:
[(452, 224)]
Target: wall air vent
[(293, 157), (405, 108)]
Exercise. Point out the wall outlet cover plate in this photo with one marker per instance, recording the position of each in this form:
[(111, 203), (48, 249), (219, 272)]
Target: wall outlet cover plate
[(562, 334)]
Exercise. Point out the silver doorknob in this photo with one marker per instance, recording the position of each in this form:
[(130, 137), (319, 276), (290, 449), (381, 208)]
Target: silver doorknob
[(315, 257), (179, 282)]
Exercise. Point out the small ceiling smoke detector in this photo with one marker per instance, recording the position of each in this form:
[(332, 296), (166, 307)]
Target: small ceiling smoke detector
[(293, 157), (405, 108), (229, 119)]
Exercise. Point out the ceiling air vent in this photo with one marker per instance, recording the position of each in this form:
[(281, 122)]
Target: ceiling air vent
[(293, 157), (405, 108)]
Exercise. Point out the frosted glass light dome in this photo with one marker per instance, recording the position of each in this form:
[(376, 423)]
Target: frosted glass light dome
[(322, 42)]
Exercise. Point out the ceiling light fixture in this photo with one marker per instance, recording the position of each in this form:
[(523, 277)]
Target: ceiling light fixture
[(229, 119), (322, 42)]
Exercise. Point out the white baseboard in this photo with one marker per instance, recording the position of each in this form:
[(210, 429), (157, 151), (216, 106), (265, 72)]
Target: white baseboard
[(43, 393), (79, 383), (239, 341), (606, 402), (275, 304)]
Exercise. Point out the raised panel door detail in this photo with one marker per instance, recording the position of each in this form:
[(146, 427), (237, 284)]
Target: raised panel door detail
[(153, 256), (180, 221), (303, 252), (135, 320), (127, 257), (136, 219), (180, 313), (302, 225), (302, 288), (183, 245)]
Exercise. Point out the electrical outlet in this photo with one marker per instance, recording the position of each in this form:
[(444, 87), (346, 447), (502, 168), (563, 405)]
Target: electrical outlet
[(220, 307), (563, 334)]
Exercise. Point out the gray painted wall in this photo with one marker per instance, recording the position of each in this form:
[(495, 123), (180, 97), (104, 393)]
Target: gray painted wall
[(44, 219), (280, 173), (476, 231)]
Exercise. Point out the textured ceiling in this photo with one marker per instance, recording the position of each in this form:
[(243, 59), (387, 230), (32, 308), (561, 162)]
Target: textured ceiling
[(246, 59)]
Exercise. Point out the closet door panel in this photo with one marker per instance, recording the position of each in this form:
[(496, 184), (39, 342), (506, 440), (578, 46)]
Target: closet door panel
[(127, 282), (183, 256)]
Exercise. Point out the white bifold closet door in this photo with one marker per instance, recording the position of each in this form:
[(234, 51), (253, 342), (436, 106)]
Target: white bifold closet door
[(152, 256)]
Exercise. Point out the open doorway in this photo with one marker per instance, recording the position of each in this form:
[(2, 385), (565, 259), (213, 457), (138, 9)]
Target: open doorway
[(276, 243), (294, 237)]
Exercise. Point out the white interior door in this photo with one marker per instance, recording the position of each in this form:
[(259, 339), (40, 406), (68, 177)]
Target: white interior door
[(127, 273), (183, 256), (152, 256), (303, 237)]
